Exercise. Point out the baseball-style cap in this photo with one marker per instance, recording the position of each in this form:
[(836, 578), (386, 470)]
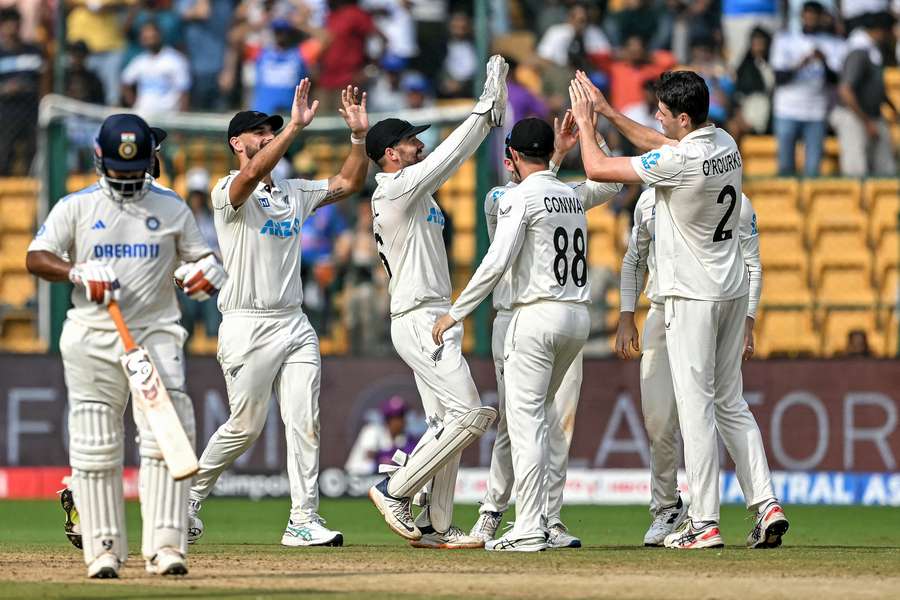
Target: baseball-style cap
[(247, 120), (531, 137), (394, 406), (387, 133), (126, 143)]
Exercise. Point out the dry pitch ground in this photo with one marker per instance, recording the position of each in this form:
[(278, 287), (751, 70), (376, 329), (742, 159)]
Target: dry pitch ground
[(830, 553)]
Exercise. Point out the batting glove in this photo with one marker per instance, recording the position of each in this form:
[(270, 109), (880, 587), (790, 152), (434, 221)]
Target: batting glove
[(493, 98), (98, 280), (201, 279)]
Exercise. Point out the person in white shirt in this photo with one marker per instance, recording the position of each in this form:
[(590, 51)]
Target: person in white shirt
[(408, 226), (696, 170), (378, 436), (576, 35), (657, 394), (561, 413), (266, 344), (123, 239), (157, 80)]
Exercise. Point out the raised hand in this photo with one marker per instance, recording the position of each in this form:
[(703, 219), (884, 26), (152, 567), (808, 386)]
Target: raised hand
[(565, 133), (353, 110), (302, 113), (582, 106), (600, 103)]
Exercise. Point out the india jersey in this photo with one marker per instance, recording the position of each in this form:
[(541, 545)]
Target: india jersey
[(260, 242), (698, 191), (541, 238), (142, 242), (408, 223)]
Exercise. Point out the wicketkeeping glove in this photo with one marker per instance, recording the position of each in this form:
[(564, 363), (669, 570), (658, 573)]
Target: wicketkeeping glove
[(98, 280), (201, 279), (493, 98)]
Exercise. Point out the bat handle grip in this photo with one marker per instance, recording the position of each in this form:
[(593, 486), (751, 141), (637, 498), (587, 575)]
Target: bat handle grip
[(116, 313)]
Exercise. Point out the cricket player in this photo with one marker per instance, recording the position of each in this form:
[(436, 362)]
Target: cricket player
[(122, 239), (657, 395), (266, 343), (408, 227), (561, 411), (541, 241), (701, 277)]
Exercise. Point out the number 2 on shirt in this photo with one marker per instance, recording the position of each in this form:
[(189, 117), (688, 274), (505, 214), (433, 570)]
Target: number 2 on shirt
[(721, 234)]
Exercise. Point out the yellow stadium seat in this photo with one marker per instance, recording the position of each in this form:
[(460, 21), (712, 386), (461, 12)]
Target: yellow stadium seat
[(464, 247), (601, 220), (845, 287), (79, 181), (837, 324), (890, 327), (787, 332), (16, 287), (881, 197), (518, 44), (760, 155), (783, 250), (785, 287), (18, 186), (887, 255), (13, 247), (830, 165), (461, 207), (18, 333), (839, 249), (832, 204), (822, 190), (892, 84), (888, 289), (602, 250), (18, 213), (775, 203)]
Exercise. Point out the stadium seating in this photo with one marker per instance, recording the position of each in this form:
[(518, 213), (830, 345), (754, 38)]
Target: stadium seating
[(881, 199), (837, 324), (783, 250), (787, 332)]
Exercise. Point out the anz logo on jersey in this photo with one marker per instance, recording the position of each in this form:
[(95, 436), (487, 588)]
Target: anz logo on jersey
[(435, 216), (281, 229)]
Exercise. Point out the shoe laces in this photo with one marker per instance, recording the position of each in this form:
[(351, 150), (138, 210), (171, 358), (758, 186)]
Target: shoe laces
[(402, 509), (454, 532), (488, 520)]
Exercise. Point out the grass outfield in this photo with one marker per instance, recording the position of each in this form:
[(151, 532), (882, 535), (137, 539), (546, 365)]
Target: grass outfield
[(830, 552)]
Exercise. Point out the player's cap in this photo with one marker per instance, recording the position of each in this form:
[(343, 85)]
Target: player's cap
[(249, 119), (531, 137), (387, 133), (126, 143), (394, 406)]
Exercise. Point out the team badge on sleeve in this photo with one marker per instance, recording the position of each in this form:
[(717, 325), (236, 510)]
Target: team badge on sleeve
[(650, 159)]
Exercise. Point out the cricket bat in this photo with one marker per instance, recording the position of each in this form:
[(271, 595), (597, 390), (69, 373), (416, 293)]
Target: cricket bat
[(148, 390)]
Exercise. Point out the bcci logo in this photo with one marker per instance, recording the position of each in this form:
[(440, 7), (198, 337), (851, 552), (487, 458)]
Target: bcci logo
[(128, 145), (152, 223)]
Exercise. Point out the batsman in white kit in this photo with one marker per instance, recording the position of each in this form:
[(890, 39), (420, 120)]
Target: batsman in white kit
[(266, 343), (696, 170), (408, 227), (124, 238), (561, 411), (541, 240), (657, 394)]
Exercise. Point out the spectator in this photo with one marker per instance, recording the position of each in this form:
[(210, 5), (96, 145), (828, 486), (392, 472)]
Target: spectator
[(347, 27), (197, 180), (753, 86), (97, 24), (632, 69), (79, 81), (206, 25), (278, 69), (857, 344), (739, 18), (32, 13), (461, 62), (394, 20), (386, 94), (711, 67), (431, 35), (855, 12), (863, 133), (157, 80), (637, 17), (160, 12), (325, 244), (523, 102), (365, 311), (682, 21), (575, 43), (378, 440), (418, 95), (22, 81), (644, 112)]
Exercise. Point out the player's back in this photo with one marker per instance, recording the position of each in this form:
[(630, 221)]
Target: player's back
[(552, 264)]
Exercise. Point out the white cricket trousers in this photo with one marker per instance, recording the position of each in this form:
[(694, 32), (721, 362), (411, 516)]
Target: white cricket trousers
[(98, 394), (660, 412), (561, 422), (704, 341), (266, 353), (542, 341), (445, 386)]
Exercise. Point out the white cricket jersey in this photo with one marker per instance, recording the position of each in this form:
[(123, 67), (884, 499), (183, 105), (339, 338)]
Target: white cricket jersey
[(591, 193), (142, 241), (409, 224), (260, 242), (639, 256), (698, 188), (541, 238)]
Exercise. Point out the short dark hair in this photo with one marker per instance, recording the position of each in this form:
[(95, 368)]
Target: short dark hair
[(817, 7), (684, 92), (10, 14)]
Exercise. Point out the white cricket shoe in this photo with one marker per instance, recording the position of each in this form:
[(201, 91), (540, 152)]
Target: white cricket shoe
[(167, 561), (195, 525), (485, 528), (105, 566), (453, 539), (397, 512), (310, 533), (666, 521), (692, 537), (771, 525), (505, 544), (559, 537)]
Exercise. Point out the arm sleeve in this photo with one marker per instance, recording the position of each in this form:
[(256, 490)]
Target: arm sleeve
[(490, 209), (854, 68), (508, 239), (57, 233), (749, 237), (191, 245), (182, 81), (634, 264), (428, 175), (594, 193), (662, 167), (222, 203), (130, 73), (308, 195)]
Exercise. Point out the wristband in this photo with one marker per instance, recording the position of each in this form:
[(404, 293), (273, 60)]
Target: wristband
[(554, 167), (356, 140)]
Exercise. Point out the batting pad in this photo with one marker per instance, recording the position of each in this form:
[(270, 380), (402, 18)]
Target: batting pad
[(164, 507), (446, 445)]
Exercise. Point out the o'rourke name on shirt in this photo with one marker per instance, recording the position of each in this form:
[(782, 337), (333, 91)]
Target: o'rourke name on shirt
[(563, 205), (720, 166)]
